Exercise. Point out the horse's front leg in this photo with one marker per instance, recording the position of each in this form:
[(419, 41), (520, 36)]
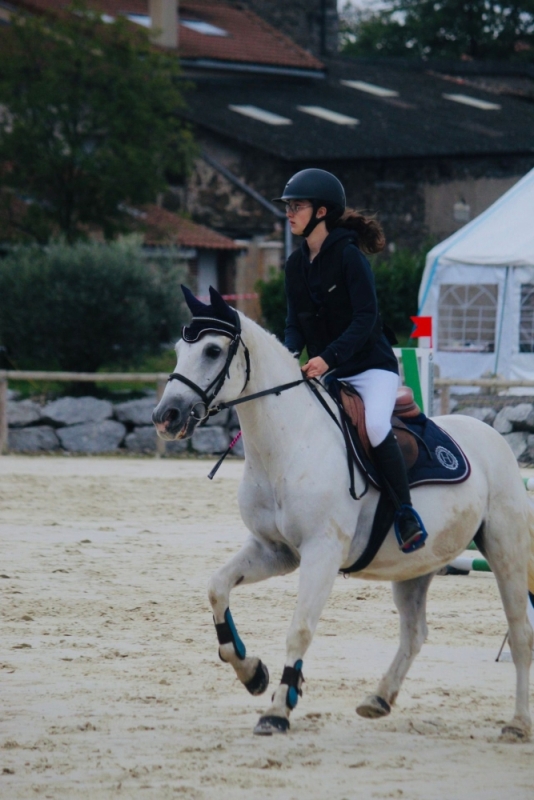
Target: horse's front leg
[(319, 565), (254, 562)]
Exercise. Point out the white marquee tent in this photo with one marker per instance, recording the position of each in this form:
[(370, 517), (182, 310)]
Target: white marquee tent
[(478, 286)]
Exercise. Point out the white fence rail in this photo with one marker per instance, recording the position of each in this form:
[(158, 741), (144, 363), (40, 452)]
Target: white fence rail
[(444, 385)]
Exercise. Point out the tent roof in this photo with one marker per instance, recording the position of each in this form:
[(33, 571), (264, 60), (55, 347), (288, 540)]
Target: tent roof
[(503, 235)]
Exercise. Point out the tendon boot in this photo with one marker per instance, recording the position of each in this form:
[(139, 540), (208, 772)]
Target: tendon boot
[(409, 528)]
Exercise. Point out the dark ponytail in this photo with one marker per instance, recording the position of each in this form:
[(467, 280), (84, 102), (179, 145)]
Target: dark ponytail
[(371, 237)]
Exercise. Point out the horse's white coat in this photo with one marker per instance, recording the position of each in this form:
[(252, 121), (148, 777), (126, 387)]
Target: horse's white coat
[(295, 501)]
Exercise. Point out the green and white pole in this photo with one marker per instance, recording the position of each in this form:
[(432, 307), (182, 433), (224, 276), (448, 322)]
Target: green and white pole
[(417, 370), (466, 564)]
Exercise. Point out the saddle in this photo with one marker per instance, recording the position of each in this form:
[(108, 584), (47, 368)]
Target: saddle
[(405, 408)]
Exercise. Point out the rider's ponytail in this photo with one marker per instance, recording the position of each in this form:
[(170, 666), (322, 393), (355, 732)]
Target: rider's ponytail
[(371, 237)]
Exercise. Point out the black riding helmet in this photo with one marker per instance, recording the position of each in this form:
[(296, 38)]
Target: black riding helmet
[(321, 188)]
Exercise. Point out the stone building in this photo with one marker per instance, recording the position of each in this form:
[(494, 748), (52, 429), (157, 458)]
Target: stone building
[(426, 146)]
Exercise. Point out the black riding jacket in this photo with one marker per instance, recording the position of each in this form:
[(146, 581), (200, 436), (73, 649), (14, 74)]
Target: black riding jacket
[(332, 307)]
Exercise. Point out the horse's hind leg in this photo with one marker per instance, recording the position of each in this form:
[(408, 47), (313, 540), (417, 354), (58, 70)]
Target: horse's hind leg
[(410, 599), (508, 559), (254, 562)]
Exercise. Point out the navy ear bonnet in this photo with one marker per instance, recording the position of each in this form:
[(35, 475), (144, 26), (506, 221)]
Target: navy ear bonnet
[(218, 317)]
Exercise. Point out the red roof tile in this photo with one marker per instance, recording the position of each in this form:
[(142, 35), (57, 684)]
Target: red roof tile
[(162, 227), (250, 39)]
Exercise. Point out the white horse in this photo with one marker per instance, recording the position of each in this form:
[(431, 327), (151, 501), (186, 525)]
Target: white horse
[(294, 500)]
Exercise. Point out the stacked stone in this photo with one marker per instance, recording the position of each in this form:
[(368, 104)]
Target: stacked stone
[(88, 425), (514, 422)]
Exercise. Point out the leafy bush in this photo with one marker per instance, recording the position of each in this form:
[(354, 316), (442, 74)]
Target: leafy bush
[(81, 307), (273, 302), (397, 279)]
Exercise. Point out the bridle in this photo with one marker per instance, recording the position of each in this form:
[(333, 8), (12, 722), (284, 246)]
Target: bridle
[(211, 391)]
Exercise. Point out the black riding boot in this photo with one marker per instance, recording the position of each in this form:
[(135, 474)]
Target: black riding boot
[(391, 466)]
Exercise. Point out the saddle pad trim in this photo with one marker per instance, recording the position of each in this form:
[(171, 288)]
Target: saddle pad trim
[(421, 481)]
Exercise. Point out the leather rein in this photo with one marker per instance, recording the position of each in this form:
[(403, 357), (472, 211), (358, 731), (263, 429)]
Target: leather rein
[(209, 394)]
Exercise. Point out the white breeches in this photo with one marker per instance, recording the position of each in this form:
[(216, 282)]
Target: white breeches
[(378, 389)]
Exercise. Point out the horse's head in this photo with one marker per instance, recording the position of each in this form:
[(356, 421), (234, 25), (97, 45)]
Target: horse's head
[(211, 367)]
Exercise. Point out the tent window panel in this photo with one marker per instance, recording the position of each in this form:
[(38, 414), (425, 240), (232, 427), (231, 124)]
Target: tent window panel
[(526, 319), (467, 316)]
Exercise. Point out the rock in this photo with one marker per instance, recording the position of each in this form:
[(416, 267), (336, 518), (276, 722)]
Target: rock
[(92, 437), (177, 446), (233, 422), (501, 422), (136, 412), (220, 419), (22, 413), (12, 394), (522, 417), (238, 449), (486, 415), (210, 440), (142, 440), (77, 410), (517, 418), (518, 441), (33, 440)]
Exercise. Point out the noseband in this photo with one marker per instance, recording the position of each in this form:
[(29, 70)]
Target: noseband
[(191, 334)]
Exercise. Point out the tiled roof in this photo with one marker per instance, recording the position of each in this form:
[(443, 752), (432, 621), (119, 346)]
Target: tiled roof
[(163, 227), (418, 116), (249, 39)]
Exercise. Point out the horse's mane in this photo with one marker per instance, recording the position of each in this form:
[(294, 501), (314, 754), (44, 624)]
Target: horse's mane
[(270, 338)]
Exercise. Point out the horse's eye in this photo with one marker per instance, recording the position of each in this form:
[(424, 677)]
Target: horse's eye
[(212, 351)]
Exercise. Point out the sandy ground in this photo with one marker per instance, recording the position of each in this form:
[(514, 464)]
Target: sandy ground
[(110, 682)]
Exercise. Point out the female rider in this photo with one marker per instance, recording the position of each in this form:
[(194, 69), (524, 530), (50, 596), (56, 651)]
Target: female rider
[(332, 310)]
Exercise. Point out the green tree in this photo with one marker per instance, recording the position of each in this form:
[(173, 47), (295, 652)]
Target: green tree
[(397, 280), (442, 29), (84, 306), (88, 122)]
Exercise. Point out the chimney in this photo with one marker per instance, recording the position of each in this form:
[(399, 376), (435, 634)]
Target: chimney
[(164, 22)]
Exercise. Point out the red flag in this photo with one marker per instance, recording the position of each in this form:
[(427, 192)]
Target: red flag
[(423, 327)]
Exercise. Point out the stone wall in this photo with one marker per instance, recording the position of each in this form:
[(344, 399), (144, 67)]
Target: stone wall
[(88, 425), (414, 198), (513, 419)]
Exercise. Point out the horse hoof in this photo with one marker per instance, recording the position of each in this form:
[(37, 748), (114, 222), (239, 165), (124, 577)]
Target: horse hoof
[(373, 707), (271, 724), (259, 681), (510, 733)]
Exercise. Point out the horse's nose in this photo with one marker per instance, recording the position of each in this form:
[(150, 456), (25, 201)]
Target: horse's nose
[(166, 417)]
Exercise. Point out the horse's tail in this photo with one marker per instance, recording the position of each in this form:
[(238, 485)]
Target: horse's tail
[(531, 556)]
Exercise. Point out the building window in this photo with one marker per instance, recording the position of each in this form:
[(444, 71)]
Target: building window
[(467, 315), (526, 319)]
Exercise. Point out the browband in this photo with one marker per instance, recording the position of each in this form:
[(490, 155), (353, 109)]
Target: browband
[(199, 326)]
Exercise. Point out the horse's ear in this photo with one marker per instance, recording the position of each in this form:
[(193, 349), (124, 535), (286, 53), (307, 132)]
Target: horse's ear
[(220, 307), (196, 307)]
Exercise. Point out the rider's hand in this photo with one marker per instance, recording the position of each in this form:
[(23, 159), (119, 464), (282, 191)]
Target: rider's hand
[(315, 367)]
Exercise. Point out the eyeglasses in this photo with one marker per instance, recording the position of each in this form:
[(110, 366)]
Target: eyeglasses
[(294, 208)]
